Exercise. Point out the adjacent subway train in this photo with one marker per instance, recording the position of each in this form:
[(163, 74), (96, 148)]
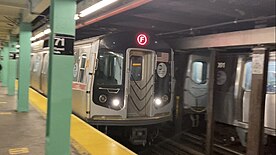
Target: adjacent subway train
[(121, 79), (232, 89)]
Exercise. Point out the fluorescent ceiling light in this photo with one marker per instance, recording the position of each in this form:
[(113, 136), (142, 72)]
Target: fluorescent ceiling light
[(33, 38), (37, 43), (76, 17), (47, 31), (39, 35), (96, 7)]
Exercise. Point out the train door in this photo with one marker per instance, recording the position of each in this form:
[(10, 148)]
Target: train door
[(37, 71), (83, 75), (80, 81), (33, 57), (270, 102), (196, 82), (141, 82), (43, 72)]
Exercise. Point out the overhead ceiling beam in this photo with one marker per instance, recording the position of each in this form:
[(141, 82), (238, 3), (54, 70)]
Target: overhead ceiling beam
[(1, 32), (198, 7), (38, 7), (175, 17), (12, 5), (150, 24), (119, 10), (5, 24), (230, 39), (4, 28), (13, 15)]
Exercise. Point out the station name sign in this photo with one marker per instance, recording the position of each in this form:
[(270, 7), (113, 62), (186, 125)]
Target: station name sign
[(64, 44)]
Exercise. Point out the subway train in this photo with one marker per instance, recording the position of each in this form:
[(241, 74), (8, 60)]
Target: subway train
[(121, 79), (232, 89), (127, 80)]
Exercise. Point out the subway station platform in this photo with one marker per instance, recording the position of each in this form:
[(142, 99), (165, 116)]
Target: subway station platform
[(24, 133)]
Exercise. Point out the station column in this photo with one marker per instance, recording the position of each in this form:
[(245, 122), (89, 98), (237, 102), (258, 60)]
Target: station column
[(210, 106), (24, 67), (257, 102), (60, 76)]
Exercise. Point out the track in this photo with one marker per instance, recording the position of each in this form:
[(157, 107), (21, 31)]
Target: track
[(184, 143), (169, 147)]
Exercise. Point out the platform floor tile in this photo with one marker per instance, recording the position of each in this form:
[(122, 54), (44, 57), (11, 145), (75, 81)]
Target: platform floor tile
[(21, 133)]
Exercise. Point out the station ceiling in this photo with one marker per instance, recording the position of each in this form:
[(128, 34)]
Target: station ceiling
[(14, 11), (181, 18), (167, 18), (9, 17)]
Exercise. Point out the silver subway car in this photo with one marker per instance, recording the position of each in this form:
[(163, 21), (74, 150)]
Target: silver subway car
[(231, 91), (121, 79)]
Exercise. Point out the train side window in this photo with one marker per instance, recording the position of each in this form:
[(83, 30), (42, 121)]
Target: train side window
[(82, 68), (247, 76), (36, 63), (199, 72), (271, 76), (32, 62), (45, 63), (136, 68)]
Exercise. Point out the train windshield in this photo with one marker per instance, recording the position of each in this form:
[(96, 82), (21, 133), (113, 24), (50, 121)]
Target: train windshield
[(110, 70)]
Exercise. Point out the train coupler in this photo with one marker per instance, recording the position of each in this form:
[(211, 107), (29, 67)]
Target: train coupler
[(138, 136)]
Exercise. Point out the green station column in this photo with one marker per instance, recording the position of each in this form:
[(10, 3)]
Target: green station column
[(24, 67), (5, 65), (60, 76)]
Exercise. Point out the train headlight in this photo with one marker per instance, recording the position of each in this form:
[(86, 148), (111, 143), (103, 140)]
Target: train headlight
[(157, 101), (102, 98), (115, 102)]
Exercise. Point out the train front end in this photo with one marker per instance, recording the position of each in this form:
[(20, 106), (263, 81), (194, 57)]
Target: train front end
[(132, 84)]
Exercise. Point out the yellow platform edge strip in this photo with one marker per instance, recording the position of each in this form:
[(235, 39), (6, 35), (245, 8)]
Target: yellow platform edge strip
[(86, 136)]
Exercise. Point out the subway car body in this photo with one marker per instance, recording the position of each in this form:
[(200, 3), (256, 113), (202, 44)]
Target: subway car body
[(121, 79), (232, 89)]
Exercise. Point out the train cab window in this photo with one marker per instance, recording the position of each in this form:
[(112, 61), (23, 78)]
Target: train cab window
[(136, 68), (199, 72), (110, 70), (271, 77), (82, 68)]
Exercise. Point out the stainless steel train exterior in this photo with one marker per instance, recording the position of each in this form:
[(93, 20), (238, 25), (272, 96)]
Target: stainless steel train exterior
[(122, 79), (232, 89)]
